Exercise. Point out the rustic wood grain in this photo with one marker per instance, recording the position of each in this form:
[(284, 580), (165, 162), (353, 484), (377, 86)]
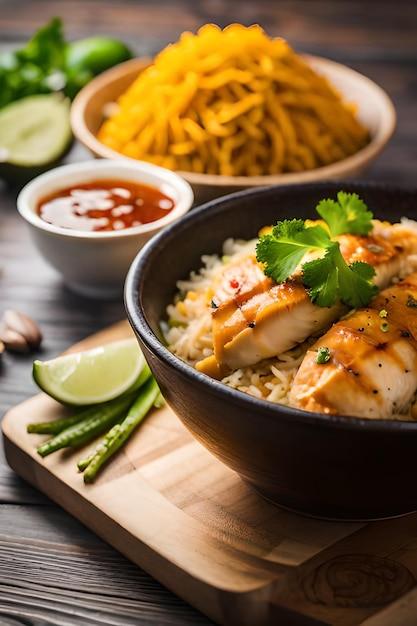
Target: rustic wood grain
[(53, 569), (181, 515)]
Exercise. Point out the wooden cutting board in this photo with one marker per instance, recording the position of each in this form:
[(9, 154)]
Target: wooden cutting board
[(173, 509)]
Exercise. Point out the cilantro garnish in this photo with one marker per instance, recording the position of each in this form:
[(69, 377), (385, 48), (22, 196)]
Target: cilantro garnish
[(349, 214), (329, 277), (323, 355)]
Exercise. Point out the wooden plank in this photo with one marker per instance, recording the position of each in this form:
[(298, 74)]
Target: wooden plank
[(180, 514)]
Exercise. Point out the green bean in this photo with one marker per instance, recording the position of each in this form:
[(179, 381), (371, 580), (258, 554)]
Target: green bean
[(57, 426), (101, 419), (149, 395)]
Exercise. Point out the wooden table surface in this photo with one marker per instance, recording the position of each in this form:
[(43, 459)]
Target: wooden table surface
[(52, 569)]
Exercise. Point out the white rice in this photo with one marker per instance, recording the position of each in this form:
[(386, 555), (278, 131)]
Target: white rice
[(189, 331), (189, 334)]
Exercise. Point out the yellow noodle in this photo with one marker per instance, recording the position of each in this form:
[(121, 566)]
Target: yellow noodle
[(233, 102), (176, 131), (194, 130), (224, 77), (229, 112), (316, 136), (277, 146), (252, 129)]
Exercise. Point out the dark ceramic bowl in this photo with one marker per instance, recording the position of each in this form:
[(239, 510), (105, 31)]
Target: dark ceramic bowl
[(319, 465)]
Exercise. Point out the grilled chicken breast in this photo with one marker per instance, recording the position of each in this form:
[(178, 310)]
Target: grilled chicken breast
[(255, 318), (371, 369)]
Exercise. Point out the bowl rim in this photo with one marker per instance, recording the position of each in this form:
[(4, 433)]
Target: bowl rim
[(345, 166), (138, 320), (95, 167)]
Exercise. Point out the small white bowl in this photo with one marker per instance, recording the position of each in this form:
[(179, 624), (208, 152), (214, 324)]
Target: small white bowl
[(95, 264)]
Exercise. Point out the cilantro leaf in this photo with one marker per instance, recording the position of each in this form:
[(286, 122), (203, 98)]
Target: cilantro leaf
[(283, 250), (47, 47), (36, 68), (348, 215), (328, 278)]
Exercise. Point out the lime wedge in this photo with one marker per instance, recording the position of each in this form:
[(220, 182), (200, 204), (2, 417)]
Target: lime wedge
[(92, 376), (34, 132)]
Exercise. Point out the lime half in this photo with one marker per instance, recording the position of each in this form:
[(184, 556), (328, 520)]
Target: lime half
[(34, 131), (92, 376)]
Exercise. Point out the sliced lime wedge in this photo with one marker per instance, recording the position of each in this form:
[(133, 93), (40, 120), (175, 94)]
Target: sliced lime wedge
[(95, 375), (34, 131)]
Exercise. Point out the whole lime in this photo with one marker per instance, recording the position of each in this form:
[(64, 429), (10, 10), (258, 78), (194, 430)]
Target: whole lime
[(85, 58)]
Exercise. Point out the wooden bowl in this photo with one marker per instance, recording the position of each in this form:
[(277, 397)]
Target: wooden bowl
[(319, 465), (375, 110)]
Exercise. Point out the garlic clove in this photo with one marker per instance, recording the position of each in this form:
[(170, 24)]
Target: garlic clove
[(15, 341), (19, 332)]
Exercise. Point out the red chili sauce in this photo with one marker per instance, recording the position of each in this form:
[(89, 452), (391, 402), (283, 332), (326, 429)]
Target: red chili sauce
[(105, 205)]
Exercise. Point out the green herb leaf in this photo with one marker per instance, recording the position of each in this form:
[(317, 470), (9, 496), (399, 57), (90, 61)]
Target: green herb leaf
[(46, 49), (48, 63), (283, 250), (323, 355), (328, 278), (348, 215), (331, 277)]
